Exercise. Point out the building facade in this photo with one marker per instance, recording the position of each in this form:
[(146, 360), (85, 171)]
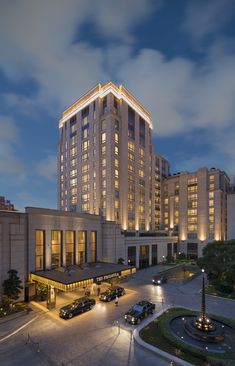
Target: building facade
[(195, 208), (106, 161), (43, 243), (231, 214)]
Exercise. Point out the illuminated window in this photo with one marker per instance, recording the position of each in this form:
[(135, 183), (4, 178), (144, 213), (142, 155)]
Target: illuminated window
[(73, 200), (40, 250), (73, 191), (211, 202), (131, 168), (116, 183), (73, 162), (85, 156), (141, 152), (73, 172), (212, 186), (116, 150), (85, 197), (212, 178), (103, 149), (93, 241), (103, 162), (131, 156), (211, 211), (141, 173), (165, 214), (56, 243), (176, 199), (131, 146), (82, 245), (103, 172), (116, 204), (116, 125), (192, 196), (166, 201), (192, 180), (192, 228), (85, 145), (211, 195), (192, 220), (192, 212), (192, 189), (85, 168), (116, 137), (73, 151), (116, 173), (69, 247), (141, 163), (73, 182), (116, 163), (85, 178), (85, 207), (103, 137)]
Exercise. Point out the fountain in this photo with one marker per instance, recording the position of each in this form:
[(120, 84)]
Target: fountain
[(202, 327), (203, 332)]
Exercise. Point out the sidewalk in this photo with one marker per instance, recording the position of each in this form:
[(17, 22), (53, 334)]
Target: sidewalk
[(12, 325)]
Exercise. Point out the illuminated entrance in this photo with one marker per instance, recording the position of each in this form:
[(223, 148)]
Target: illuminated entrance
[(75, 277)]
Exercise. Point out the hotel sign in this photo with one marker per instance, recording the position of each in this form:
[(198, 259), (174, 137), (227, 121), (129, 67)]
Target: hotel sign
[(107, 277)]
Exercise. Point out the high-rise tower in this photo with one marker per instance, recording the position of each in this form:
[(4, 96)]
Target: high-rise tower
[(106, 160)]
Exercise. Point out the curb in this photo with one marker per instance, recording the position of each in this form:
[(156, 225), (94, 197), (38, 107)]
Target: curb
[(158, 351), (17, 330), (10, 317)]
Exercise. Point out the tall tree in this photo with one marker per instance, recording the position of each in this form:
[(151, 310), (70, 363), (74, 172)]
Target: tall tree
[(219, 263), (12, 286)]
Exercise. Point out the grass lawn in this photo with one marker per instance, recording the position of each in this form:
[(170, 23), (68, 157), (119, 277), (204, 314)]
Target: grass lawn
[(210, 290), (158, 334), (18, 307)]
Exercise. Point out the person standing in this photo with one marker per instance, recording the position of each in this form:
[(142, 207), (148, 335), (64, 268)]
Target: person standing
[(116, 301)]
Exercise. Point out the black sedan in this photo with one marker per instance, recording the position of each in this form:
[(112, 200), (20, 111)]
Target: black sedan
[(111, 293), (139, 311), (77, 307)]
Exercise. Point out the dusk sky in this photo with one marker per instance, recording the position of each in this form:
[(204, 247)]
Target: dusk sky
[(177, 58)]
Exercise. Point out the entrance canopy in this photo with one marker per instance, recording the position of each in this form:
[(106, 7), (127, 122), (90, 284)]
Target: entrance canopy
[(72, 277)]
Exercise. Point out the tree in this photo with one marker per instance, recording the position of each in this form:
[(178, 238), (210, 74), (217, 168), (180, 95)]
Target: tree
[(219, 263), (121, 261), (12, 286)]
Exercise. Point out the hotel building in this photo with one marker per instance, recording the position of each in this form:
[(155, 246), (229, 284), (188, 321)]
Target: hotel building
[(106, 161), (195, 208)]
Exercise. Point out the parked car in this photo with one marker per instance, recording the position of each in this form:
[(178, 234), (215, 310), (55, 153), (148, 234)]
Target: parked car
[(111, 293), (139, 311), (159, 279), (77, 307)]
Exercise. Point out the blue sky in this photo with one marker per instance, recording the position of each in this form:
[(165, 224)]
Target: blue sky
[(176, 56)]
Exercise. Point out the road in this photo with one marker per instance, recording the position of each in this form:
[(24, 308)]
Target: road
[(100, 337)]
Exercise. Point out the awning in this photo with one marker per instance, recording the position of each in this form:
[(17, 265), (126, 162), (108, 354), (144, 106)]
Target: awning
[(68, 279)]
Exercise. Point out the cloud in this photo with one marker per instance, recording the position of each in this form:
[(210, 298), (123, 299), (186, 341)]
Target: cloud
[(10, 164), (180, 94), (45, 49), (47, 168), (203, 18)]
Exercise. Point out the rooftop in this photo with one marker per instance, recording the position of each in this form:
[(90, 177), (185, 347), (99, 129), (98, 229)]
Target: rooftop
[(100, 91)]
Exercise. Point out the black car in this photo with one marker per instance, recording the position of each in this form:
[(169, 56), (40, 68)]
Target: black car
[(111, 293), (139, 311), (77, 307), (159, 280)]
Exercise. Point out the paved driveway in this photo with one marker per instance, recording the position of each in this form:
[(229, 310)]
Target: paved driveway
[(95, 338)]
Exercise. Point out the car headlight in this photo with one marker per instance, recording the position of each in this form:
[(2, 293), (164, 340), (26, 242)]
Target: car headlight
[(132, 319), (159, 282), (125, 316), (153, 280), (105, 297)]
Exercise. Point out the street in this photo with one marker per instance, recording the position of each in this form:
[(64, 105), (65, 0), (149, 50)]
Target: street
[(100, 336)]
